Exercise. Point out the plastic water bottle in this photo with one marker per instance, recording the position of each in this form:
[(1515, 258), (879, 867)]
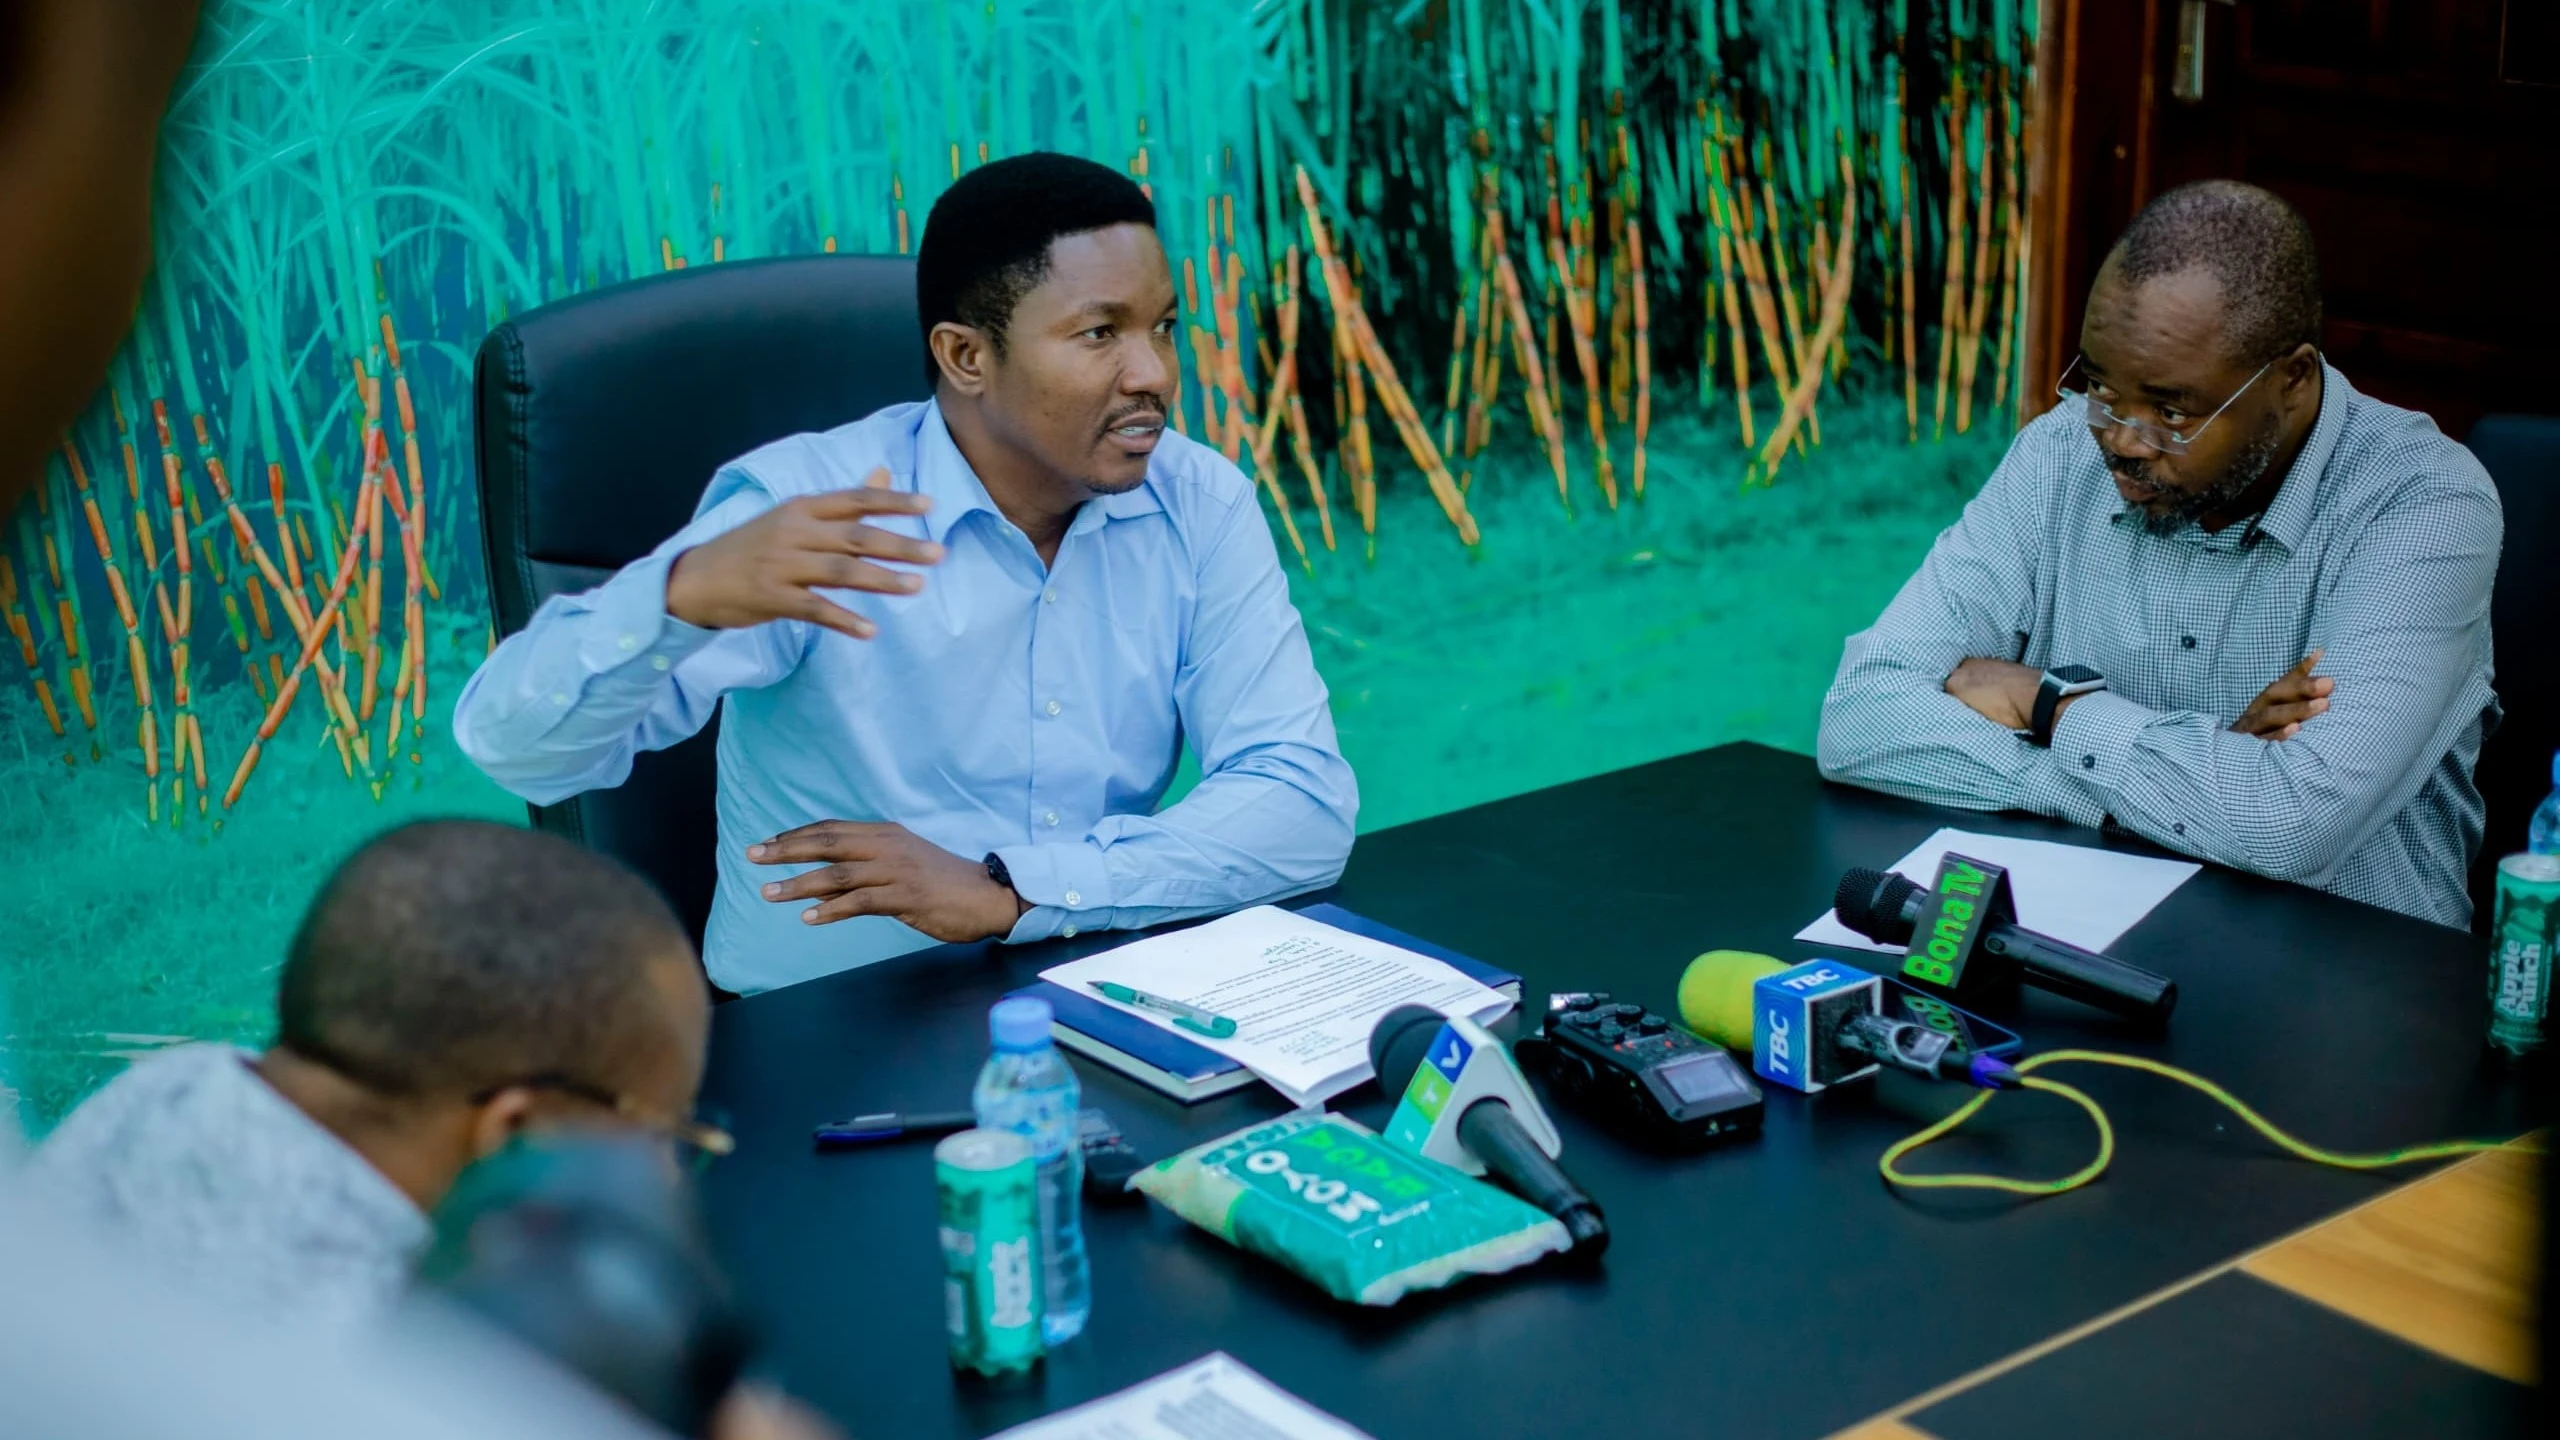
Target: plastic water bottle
[(2544, 838), (1027, 1088)]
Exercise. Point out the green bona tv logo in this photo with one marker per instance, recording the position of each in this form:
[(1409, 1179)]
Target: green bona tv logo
[(1965, 898)]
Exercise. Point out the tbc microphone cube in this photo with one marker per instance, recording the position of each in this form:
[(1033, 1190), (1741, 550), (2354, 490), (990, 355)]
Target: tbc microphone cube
[(1796, 1015), (1464, 1065)]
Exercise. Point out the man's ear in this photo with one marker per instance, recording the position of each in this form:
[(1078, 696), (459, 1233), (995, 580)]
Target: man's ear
[(499, 1120), (2300, 368), (963, 352)]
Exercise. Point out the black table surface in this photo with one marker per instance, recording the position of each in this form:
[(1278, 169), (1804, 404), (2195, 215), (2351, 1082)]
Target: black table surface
[(1774, 1287)]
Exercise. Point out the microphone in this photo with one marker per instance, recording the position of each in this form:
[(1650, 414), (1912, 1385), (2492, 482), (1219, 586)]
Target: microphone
[(1465, 1104), (587, 1249), (1819, 1024), (1969, 940)]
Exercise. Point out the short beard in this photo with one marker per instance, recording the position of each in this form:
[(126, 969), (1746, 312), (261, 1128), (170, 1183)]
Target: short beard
[(1113, 487), (2248, 466)]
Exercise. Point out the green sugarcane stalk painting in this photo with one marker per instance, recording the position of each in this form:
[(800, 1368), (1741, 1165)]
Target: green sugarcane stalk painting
[(1409, 233)]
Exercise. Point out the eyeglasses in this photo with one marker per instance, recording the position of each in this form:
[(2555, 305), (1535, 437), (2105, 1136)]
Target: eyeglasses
[(698, 1139), (2172, 438)]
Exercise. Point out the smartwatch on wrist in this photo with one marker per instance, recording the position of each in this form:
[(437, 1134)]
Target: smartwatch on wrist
[(997, 872), (2060, 683)]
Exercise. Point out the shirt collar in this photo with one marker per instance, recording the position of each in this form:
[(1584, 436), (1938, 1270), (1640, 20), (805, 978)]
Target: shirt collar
[(944, 476), (2287, 518)]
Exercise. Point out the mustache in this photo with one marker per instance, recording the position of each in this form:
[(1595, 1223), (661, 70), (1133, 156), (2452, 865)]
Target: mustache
[(1151, 408), (2136, 471)]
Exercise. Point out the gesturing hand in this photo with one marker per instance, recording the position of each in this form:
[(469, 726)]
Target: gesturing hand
[(883, 869), (2280, 709), (772, 567)]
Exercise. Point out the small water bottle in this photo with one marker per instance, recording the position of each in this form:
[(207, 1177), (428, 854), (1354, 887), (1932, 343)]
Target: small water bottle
[(1027, 1088), (2544, 838)]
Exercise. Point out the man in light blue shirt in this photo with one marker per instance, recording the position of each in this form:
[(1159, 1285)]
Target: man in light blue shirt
[(975, 751)]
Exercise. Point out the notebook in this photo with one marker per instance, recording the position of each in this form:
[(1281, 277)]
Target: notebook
[(1171, 1065)]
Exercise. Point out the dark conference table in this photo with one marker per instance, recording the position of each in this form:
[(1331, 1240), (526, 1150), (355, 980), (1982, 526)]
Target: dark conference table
[(1774, 1287)]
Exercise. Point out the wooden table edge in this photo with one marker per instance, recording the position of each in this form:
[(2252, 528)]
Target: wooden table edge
[(1894, 1422)]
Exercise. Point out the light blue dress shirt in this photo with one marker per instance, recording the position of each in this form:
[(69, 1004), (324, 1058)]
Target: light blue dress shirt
[(1034, 711)]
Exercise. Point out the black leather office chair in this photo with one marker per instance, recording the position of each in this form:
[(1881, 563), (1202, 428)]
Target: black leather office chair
[(2522, 453), (599, 419)]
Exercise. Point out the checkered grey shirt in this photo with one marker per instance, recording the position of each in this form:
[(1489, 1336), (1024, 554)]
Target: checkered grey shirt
[(2378, 549)]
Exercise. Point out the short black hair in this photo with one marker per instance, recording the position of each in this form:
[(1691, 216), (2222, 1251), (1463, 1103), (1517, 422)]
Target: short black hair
[(447, 957), (2252, 242), (986, 244)]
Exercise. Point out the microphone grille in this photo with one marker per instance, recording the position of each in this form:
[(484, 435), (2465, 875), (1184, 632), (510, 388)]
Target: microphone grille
[(1871, 902), (1399, 1042), (1856, 894)]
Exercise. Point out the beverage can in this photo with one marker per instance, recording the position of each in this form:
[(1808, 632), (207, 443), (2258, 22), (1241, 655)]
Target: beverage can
[(990, 1250), (2521, 945)]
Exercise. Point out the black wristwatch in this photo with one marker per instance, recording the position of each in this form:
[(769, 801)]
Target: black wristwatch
[(2060, 683), (997, 872)]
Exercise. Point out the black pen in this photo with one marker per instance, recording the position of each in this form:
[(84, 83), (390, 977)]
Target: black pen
[(880, 1129)]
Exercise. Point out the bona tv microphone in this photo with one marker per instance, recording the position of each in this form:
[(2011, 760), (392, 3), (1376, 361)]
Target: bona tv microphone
[(1811, 1026), (1964, 936), (1465, 1104)]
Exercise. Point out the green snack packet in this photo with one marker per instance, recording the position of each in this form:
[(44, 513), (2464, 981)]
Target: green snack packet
[(1362, 1219)]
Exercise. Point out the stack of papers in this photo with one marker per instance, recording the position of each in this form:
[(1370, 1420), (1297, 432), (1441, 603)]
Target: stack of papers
[(1304, 994), (1212, 1398), (2074, 893)]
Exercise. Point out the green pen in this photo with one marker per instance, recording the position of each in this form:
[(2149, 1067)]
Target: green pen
[(1187, 1017)]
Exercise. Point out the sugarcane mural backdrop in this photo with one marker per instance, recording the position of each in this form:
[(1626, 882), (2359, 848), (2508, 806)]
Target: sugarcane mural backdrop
[(1505, 305)]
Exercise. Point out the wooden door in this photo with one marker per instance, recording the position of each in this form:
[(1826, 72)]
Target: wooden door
[(2421, 138)]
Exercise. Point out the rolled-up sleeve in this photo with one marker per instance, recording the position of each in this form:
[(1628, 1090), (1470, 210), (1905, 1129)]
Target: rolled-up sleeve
[(564, 705), (1274, 811)]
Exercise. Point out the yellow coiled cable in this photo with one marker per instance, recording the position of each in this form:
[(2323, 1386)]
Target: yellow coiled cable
[(1886, 1165)]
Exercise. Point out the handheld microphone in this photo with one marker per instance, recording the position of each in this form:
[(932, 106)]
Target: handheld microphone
[(1465, 1104), (1968, 940), (587, 1249), (1819, 1024)]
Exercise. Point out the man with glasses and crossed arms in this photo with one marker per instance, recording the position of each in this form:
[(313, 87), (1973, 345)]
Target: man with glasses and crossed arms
[(2216, 598)]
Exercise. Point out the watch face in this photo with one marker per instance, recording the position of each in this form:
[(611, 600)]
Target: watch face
[(2075, 674)]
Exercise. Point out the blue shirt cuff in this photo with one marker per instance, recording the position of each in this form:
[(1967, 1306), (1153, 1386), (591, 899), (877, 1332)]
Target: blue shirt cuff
[(629, 623), (1067, 885)]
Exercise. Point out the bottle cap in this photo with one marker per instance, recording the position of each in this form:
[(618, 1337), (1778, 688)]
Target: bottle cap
[(1020, 1023)]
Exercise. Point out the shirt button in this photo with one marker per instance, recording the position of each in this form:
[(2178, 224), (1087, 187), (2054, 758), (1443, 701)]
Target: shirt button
[(1049, 596), (1074, 899), (629, 642), (1067, 933), (1052, 707), (560, 698), (2187, 641), (1050, 819), (2088, 762), (659, 661), (2180, 828)]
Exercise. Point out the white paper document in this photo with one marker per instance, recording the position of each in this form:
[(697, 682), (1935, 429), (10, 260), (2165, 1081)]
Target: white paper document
[(1213, 1398), (2074, 893), (1304, 995)]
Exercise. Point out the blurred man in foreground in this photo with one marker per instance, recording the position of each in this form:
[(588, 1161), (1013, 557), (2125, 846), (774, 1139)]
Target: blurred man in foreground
[(2217, 597), (456, 982)]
